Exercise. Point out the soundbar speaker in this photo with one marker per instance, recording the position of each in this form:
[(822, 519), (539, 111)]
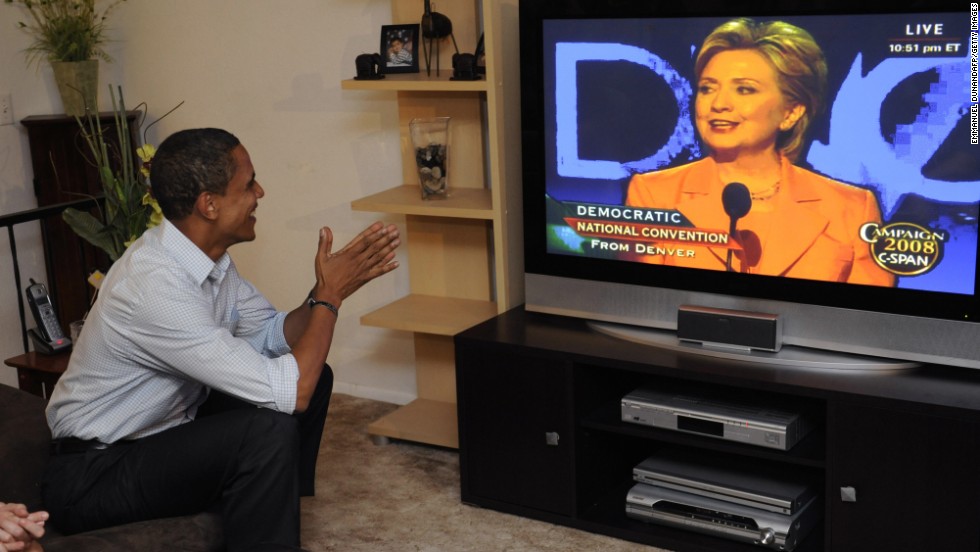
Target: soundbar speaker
[(729, 328)]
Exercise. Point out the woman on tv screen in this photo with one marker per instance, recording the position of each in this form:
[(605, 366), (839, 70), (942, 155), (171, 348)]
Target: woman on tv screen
[(759, 85)]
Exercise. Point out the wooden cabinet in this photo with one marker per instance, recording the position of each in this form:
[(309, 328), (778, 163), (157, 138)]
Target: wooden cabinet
[(914, 477), (63, 171), (527, 402), (905, 442), (465, 252)]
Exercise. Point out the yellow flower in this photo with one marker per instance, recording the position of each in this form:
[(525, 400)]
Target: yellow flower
[(146, 153), (157, 217)]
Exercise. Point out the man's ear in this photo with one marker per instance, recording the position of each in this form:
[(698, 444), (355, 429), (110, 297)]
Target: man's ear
[(206, 206)]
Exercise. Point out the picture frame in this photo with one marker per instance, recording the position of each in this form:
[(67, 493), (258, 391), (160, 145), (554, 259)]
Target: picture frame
[(399, 48)]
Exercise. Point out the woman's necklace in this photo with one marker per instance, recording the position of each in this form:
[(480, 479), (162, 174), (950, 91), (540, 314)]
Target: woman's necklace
[(768, 193)]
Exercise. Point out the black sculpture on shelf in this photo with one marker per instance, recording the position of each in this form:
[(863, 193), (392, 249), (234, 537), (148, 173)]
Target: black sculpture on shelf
[(435, 26), (368, 67), (481, 57), (467, 66), (464, 67)]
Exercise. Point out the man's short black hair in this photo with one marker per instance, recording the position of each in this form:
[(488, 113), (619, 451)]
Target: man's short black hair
[(188, 163)]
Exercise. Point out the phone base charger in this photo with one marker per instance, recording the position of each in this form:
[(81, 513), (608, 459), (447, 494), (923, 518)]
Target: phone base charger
[(45, 347)]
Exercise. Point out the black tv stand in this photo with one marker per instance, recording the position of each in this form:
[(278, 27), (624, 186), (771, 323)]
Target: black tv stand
[(541, 437)]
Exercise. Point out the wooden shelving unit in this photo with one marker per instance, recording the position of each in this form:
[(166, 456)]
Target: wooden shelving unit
[(465, 253), (470, 203)]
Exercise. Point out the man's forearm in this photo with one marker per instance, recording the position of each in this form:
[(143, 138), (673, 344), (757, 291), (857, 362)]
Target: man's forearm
[(311, 352), (295, 323)]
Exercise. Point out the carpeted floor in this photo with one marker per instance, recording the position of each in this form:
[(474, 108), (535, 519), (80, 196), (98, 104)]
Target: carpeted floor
[(405, 497)]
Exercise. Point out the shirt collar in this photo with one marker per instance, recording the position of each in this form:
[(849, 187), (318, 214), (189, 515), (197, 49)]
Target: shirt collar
[(190, 256)]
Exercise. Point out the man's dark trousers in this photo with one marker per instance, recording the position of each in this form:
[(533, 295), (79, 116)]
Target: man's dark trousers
[(249, 464)]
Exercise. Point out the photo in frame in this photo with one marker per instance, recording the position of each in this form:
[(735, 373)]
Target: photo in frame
[(399, 48)]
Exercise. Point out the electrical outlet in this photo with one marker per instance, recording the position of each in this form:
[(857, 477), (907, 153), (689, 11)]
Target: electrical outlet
[(6, 110)]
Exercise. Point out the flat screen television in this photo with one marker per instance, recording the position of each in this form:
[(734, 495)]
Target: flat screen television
[(865, 244)]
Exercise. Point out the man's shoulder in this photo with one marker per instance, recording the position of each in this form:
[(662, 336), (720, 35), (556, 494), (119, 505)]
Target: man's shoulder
[(147, 266), (148, 255)]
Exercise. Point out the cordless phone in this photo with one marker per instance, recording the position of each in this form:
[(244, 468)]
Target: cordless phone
[(48, 337)]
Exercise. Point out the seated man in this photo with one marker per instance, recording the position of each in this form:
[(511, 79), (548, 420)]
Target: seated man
[(174, 329)]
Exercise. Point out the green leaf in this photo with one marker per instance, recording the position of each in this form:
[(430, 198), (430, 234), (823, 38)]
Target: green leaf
[(92, 230)]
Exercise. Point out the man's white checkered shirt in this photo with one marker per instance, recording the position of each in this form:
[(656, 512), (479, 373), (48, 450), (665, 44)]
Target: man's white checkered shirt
[(169, 324)]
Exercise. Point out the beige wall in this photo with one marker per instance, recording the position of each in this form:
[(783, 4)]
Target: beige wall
[(268, 71)]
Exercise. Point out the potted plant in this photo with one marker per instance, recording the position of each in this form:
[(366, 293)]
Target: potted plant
[(69, 34), (129, 209)]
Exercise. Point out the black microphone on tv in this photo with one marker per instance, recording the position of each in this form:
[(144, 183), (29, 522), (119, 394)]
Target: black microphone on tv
[(737, 202)]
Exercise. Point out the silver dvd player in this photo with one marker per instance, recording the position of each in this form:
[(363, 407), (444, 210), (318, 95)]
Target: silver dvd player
[(777, 489), (723, 519), (762, 423)]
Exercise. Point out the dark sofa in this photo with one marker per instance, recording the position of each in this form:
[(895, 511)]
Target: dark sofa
[(24, 448)]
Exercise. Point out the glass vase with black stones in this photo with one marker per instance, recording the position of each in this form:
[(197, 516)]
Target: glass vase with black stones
[(430, 139)]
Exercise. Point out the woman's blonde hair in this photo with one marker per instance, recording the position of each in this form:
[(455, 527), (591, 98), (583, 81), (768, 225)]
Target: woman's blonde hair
[(799, 62)]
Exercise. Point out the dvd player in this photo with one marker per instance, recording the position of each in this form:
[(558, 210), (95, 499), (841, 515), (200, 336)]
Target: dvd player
[(762, 423), (719, 518), (774, 488)]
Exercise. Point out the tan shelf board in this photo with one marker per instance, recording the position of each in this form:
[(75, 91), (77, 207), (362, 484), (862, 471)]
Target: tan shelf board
[(468, 203), (421, 421), (417, 82), (430, 314)]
